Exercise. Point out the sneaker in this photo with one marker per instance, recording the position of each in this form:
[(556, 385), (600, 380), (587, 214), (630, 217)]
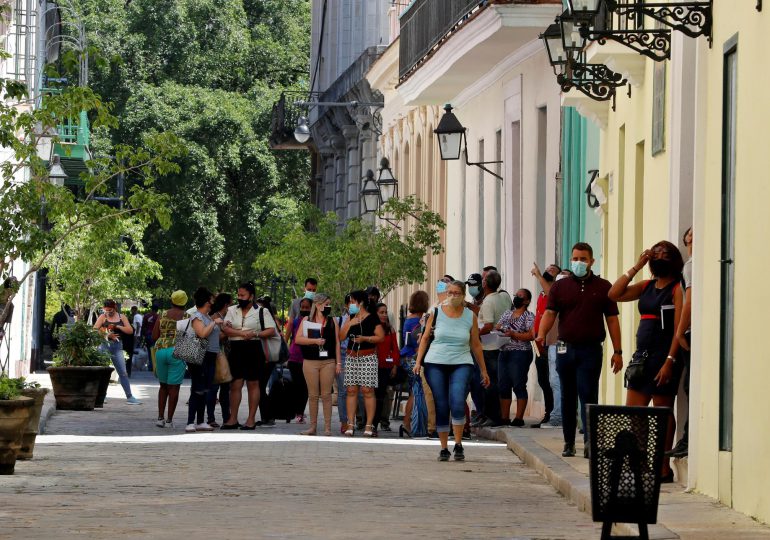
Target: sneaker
[(478, 421), (569, 450), (170, 425), (161, 422), (190, 428), (466, 434), (554, 423), (679, 450), (203, 427), (486, 423), (587, 452), (517, 422), (385, 426), (459, 453), (133, 401), (499, 423), (444, 455)]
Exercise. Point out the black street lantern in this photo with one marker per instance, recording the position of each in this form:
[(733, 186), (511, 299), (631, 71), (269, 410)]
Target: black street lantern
[(450, 135), (370, 194), (573, 40), (583, 8), (555, 48), (387, 183)]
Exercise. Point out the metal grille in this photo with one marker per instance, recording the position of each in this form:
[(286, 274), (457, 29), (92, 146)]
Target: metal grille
[(23, 37), (626, 460)]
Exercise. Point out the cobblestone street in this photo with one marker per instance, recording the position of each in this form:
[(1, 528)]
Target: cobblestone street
[(112, 473)]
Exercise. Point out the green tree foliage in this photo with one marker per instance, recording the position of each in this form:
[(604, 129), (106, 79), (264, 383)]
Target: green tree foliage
[(360, 254), (207, 71)]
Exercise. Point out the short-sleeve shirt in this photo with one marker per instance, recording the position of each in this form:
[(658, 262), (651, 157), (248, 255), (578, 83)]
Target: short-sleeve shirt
[(687, 274), (493, 307), (521, 324), (542, 302), (582, 305), (213, 336), (248, 322), (366, 328)]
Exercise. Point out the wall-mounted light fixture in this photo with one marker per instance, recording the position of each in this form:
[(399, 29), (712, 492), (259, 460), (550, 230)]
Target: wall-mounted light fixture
[(451, 134)]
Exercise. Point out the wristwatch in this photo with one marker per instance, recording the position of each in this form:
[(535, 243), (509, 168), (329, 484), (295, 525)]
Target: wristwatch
[(618, 352), (673, 360)]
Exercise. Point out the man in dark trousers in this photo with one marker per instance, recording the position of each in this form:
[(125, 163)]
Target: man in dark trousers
[(582, 305)]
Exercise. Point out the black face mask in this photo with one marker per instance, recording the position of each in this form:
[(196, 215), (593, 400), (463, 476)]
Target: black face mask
[(327, 311), (548, 277), (518, 302), (304, 313), (660, 267), (243, 304)]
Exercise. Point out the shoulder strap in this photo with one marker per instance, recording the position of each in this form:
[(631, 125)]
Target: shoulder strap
[(435, 317), (262, 318)]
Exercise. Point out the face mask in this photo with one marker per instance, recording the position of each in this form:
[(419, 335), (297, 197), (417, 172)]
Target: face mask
[(304, 313), (243, 304), (474, 291), (327, 311), (579, 268), (309, 295), (548, 277), (518, 302), (441, 287), (455, 301), (660, 267), (353, 309)]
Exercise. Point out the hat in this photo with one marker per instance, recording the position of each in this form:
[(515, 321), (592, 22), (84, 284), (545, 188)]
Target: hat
[(179, 298), (474, 280)]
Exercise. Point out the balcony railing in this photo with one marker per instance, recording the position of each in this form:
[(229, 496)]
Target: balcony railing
[(426, 24), (284, 119)]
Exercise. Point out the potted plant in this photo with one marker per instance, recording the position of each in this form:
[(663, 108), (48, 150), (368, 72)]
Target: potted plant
[(78, 367), (37, 393), (14, 416)]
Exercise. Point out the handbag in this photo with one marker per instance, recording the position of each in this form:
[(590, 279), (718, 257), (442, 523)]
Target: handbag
[(274, 346), (189, 347), (222, 373), (635, 370)]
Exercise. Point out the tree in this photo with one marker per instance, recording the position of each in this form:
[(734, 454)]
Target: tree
[(360, 254)]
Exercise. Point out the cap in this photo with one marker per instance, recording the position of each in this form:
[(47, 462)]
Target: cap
[(179, 298), (474, 280)]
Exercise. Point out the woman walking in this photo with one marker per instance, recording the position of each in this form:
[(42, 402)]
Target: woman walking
[(169, 369), (364, 332), (419, 303), (219, 309), (654, 372), (449, 364), (113, 325), (320, 351), (388, 360), (299, 386), (516, 357), (204, 326)]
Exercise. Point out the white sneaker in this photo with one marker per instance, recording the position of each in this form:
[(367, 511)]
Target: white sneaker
[(170, 425), (203, 427), (190, 428), (161, 422)]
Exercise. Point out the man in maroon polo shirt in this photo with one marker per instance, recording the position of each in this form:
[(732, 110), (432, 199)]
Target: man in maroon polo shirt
[(582, 306)]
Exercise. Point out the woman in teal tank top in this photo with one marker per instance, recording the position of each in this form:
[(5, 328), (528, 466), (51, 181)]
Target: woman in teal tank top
[(448, 347)]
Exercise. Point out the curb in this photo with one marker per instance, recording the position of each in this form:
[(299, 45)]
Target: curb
[(573, 485), (49, 408)]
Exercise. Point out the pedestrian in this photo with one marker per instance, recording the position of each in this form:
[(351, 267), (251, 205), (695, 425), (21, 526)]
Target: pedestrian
[(545, 360), (449, 364), (112, 325), (267, 322), (148, 323), (128, 342), (683, 335), (582, 305), (204, 324), (246, 357), (654, 372), (136, 321), (219, 308), (494, 304), (299, 388), (383, 418), (342, 394), (417, 307), (169, 369), (476, 291), (516, 357), (388, 360), (320, 350), (364, 332), (311, 286)]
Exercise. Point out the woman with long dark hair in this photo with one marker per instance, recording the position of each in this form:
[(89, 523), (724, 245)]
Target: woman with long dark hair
[(388, 359), (364, 331), (113, 325), (219, 309), (299, 386)]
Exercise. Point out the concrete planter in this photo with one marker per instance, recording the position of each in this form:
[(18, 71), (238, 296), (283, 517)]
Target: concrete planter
[(14, 416), (104, 383), (30, 432), (75, 388)]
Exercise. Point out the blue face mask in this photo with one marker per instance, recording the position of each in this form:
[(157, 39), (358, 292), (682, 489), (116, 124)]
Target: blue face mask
[(310, 295), (441, 287), (353, 309), (579, 268), (474, 291)]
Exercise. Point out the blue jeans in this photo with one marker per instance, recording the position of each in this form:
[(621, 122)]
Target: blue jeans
[(115, 350), (449, 384), (579, 370), (200, 381), (555, 385), (514, 367), (342, 406)]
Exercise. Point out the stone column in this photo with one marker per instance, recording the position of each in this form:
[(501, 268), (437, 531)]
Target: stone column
[(340, 178), (354, 174)]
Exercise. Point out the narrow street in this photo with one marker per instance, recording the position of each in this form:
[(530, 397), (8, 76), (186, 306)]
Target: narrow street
[(112, 473)]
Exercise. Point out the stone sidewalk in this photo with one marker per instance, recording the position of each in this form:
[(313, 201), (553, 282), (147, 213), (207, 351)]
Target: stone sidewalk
[(680, 514), (112, 473)]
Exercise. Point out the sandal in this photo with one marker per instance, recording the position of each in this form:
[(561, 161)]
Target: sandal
[(369, 431), (350, 430), (309, 432)]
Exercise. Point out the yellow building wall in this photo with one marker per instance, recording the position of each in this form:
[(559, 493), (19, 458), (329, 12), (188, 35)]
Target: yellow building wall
[(738, 479)]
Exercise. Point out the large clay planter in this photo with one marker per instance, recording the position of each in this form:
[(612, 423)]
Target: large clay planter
[(104, 383), (75, 388), (30, 432), (14, 415)]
